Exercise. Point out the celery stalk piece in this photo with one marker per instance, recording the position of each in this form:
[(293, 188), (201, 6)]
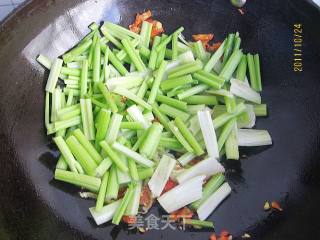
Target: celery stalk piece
[(226, 132), (207, 167), (87, 145), (173, 112), (209, 188), (174, 54), (231, 104), (163, 119), (70, 99), (197, 224), (102, 192), (188, 136), (132, 125), (124, 204), (260, 110), (161, 175), (113, 185), (47, 112), (179, 136), (106, 68), (84, 78), (143, 89), (153, 54), (145, 173), (242, 69), (106, 213), (117, 63), (192, 91), (182, 194), (252, 137), (56, 103), (117, 28), (113, 156), (136, 114), (172, 102), (133, 155), (156, 83), (134, 56), (54, 75), (185, 69), (215, 57), (87, 118), (133, 205), (151, 141), (145, 34), (242, 90), (103, 167), (186, 158), (62, 164), (231, 145), (76, 51), (170, 144), (125, 82), (201, 99), (213, 201), (212, 80), (124, 92), (225, 117), (122, 54), (132, 166), (111, 38), (59, 125), (83, 157), (96, 62), (66, 153), (209, 134), (102, 125), (162, 52), (108, 97), (171, 83), (229, 48), (88, 182), (257, 84), (252, 70), (231, 65)]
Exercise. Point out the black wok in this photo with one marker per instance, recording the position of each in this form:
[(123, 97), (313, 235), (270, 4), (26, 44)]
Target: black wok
[(34, 206)]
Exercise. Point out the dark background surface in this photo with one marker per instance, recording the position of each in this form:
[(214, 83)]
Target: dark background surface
[(33, 206)]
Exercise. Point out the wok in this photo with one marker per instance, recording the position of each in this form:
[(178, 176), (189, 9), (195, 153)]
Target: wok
[(34, 206)]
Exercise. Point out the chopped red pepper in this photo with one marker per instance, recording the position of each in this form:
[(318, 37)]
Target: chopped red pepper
[(213, 236), (169, 185), (157, 27), (135, 26), (146, 199), (181, 213), (224, 233), (214, 47), (276, 205), (129, 219), (205, 38)]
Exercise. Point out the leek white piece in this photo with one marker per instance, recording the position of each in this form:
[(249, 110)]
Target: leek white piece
[(218, 66), (137, 116), (132, 154), (253, 137), (161, 175), (194, 125), (133, 206), (182, 58), (221, 92), (88, 195), (106, 213), (213, 201), (148, 116), (182, 194), (126, 82), (207, 167), (251, 121), (241, 89), (186, 158), (209, 134)]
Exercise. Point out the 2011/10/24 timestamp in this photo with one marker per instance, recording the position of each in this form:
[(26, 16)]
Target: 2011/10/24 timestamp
[(297, 47)]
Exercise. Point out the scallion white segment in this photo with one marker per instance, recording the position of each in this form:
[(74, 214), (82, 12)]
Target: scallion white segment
[(253, 137), (182, 194), (161, 175), (136, 114), (241, 89), (106, 213), (209, 134), (213, 201), (207, 167)]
